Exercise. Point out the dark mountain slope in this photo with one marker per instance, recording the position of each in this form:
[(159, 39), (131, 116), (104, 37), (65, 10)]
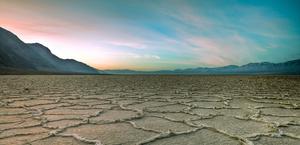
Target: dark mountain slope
[(17, 55)]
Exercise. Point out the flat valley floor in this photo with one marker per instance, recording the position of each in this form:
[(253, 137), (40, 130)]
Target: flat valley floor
[(152, 110)]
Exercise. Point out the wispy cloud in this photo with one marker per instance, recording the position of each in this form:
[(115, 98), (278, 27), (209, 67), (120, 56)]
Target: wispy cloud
[(127, 44)]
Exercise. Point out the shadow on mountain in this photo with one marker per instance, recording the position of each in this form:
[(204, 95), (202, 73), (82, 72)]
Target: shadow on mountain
[(17, 57)]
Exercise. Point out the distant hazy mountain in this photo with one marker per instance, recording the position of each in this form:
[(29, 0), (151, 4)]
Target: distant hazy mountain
[(125, 71), (19, 57), (289, 67)]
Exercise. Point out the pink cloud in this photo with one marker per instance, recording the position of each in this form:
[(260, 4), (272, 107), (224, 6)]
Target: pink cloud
[(221, 51)]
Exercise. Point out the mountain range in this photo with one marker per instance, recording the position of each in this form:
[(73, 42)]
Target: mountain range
[(289, 67), (17, 57)]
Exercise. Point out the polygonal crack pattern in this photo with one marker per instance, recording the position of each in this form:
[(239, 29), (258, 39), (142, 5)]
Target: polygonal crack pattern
[(169, 110)]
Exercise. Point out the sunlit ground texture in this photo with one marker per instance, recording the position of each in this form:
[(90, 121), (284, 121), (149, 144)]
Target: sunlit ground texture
[(154, 110)]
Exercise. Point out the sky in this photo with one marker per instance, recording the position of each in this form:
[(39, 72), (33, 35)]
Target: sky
[(159, 34)]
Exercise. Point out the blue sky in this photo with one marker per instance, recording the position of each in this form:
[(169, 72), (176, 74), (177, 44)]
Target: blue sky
[(159, 34)]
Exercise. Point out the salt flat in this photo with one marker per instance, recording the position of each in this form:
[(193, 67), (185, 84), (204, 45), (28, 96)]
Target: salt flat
[(154, 110)]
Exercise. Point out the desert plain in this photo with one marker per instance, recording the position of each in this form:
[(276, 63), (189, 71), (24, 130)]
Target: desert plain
[(149, 109)]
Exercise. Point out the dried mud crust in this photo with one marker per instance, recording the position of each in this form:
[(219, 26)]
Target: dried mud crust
[(175, 110)]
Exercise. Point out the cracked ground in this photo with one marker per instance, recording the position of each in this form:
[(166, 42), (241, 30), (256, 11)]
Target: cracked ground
[(152, 110)]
